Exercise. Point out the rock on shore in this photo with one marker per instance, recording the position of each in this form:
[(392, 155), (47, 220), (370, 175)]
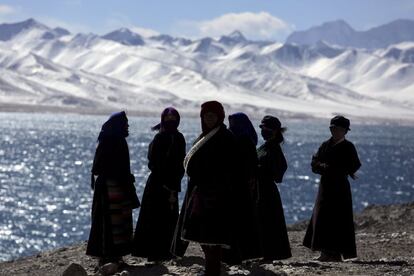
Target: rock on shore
[(385, 242)]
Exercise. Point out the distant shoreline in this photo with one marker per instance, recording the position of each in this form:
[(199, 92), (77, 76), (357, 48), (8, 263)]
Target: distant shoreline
[(253, 112)]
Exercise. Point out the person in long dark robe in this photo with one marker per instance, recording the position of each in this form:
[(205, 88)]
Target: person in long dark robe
[(245, 236), (159, 210), (205, 215), (331, 228), (274, 239), (114, 193)]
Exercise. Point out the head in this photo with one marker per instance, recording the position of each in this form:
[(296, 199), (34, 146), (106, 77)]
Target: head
[(339, 127), (212, 115), (241, 126), (115, 127), (271, 128), (170, 120)]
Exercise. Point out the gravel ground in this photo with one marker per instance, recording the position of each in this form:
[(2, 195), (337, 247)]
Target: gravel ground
[(385, 243)]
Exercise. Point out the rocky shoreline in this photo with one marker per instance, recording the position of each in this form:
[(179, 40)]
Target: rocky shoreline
[(385, 243)]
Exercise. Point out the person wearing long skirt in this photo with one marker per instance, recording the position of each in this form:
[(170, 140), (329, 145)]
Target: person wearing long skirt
[(274, 239), (114, 193), (331, 228), (205, 215), (159, 210), (245, 236)]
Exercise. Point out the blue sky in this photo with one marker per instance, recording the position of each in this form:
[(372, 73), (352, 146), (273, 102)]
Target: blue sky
[(257, 19)]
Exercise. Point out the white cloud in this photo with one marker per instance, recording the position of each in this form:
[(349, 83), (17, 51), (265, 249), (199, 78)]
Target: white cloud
[(260, 25), (6, 10)]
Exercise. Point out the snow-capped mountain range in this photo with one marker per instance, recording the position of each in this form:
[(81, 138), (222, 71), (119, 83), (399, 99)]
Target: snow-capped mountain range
[(46, 67), (341, 33)]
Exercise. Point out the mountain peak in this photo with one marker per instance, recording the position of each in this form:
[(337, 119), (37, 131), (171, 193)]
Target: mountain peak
[(339, 32), (340, 23), (124, 30), (338, 27), (10, 30), (237, 35), (233, 38), (207, 46), (125, 36), (28, 23)]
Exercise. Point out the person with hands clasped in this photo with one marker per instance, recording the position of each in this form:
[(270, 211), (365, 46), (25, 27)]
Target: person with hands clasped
[(331, 228)]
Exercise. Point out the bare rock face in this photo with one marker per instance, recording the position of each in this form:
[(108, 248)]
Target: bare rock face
[(74, 270)]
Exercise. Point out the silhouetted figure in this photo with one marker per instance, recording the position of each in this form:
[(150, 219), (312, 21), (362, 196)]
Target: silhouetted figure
[(159, 211), (205, 214), (114, 193), (331, 228), (245, 236), (272, 167)]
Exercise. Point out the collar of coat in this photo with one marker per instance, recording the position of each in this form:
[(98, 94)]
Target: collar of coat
[(198, 145)]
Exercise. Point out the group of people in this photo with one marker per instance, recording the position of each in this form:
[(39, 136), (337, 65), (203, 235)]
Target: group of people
[(232, 207)]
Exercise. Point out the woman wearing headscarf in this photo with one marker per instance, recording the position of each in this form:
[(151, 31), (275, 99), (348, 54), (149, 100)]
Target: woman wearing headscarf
[(245, 243), (272, 166), (331, 228), (159, 211), (205, 214), (114, 193)]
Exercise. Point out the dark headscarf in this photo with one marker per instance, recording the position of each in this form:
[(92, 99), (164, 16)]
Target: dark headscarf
[(115, 127), (274, 124), (168, 126), (214, 107), (241, 126)]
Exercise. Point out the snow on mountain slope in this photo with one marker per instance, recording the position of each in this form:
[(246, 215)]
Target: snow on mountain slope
[(368, 74), (403, 52), (213, 79), (89, 71), (32, 79)]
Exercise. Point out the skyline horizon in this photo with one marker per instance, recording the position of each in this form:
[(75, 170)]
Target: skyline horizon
[(144, 35), (260, 20)]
